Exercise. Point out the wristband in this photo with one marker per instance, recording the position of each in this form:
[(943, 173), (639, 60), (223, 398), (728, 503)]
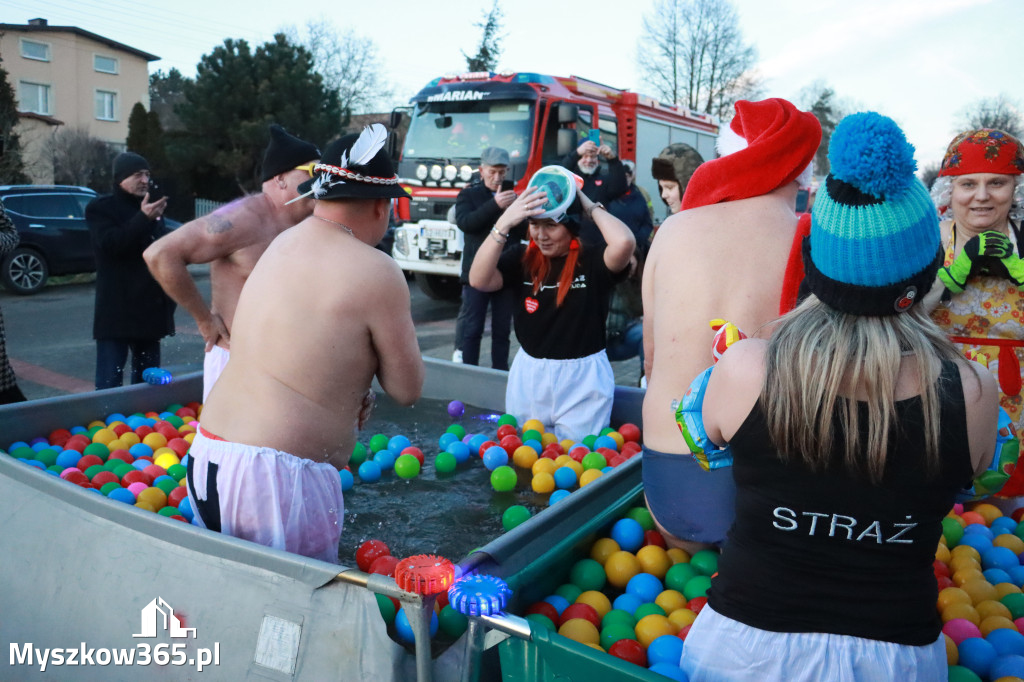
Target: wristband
[(498, 236), (596, 205)]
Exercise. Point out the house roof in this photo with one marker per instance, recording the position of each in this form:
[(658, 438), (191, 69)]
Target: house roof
[(46, 28), (50, 120)]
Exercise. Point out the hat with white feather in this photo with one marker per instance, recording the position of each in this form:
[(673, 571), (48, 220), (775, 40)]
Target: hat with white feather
[(355, 167)]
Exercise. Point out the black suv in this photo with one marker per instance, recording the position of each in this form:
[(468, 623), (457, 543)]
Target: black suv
[(50, 220)]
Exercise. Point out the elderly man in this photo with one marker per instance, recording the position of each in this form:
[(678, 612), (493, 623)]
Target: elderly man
[(232, 239), (321, 314), (726, 255), (602, 187), (477, 208)]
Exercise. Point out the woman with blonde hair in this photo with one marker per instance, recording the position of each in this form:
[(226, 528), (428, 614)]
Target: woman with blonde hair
[(852, 429)]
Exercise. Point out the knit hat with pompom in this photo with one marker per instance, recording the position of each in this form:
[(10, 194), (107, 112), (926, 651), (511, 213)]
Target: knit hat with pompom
[(874, 246)]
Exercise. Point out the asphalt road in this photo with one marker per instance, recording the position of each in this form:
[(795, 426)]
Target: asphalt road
[(50, 344)]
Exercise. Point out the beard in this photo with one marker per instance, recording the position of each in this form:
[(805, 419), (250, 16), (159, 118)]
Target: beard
[(588, 169)]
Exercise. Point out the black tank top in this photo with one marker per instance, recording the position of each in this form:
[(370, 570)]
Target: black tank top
[(831, 552)]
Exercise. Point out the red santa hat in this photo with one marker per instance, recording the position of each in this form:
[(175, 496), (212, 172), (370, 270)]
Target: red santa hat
[(767, 144)]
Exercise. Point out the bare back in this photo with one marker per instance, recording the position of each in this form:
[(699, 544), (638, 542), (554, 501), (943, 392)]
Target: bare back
[(722, 261), (320, 315)]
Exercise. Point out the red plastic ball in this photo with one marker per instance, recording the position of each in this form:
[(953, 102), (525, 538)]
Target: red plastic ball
[(143, 431), (544, 609), (697, 603), (415, 452), (940, 568), (550, 453), (629, 650), (579, 452), (122, 455), (59, 437), (186, 413), (617, 460), (944, 582), (88, 461), (506, 430), (176, 496), (511, 442), (155, 471), (485, 446), (630, 432), (631, 447), (557, 447), (370, 551), (384, 565), (77, 445), (580, 610), (167, 430), (76, 477), (178, 517), (136, 477), (653, 537), (684, 631), (179, 445), (103, 477), (1017, 513), (120, 429), (442, 599)]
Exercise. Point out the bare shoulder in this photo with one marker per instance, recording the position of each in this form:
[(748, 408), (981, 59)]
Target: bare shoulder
[(743, 362), (978, 382)]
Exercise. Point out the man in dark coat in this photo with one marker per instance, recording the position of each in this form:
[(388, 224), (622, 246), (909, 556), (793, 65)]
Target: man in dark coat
[(477, 208), (132, 311), (601, 186)]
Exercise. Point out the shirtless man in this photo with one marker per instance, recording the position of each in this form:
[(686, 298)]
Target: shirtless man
[(232, 239), (723, 256), (322, 313)]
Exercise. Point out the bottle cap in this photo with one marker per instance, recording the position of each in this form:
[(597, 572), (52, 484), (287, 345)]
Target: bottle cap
[(479, 595), (424, 574)]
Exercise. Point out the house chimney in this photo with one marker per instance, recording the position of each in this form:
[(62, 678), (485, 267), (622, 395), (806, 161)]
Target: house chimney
[(38, 22)]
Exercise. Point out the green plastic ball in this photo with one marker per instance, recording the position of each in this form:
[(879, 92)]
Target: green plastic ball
[(541, 621), (387, 608), (1015, 602), (445, 462), (697, 587), (91, 431), (641, 516), (358, 455), (614, 632), (594, 460), (953, 531), (451, 622), (589, 441), (513, 516), (108, 486), (122, 469), (458, 429), (620, 617), (958, 673), (378, 442), (678, 575), (407, 466), (23, 453), (569, 592), (98, 449), (93, 470), (508, 419), (705, 561), (166, 486), (175, 471), (55, 468), (606, 430), (532, 434), (175, 421), (650, 608), (503, 479), (587, 574), (47, 456), (111, 464)]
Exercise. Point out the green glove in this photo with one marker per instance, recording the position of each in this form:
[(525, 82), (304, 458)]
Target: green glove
[(978, 253)]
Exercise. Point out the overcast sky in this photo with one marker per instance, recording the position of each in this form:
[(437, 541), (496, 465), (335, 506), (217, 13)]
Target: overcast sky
[(920, 61)]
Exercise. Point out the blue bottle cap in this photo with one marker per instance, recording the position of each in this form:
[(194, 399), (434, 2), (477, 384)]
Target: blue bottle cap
[(479, 595)]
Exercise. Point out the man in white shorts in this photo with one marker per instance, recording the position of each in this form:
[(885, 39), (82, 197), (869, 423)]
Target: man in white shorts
[(232, 239), (322, 313)]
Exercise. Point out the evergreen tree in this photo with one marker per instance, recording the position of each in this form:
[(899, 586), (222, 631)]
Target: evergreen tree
[(486, 57), (138, 124), (12, 166)]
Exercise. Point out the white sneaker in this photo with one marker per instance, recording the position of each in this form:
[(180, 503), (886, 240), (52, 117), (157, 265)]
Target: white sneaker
[(457, 356)]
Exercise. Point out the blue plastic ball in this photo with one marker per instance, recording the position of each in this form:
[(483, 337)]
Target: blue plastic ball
[(1017, 575), (629, 534), (369, 471), (671, 671), (445, 440), (185, 509), (557, 496), (475, 442), (665, 649), (385, 459), (565, 478), (978, 541), (1006, 642), (33, 462), (606, 442), (535, 444), (39, 446), (645, 586), (404, 629), (560, 603), (978, 655), (627, 602), (398, 443), (978, 528), (141, 464), (1003, 524), (75, 430), (1007, 666), (17, 444), (140, 450), (999, 557), (460, 451), (116, 417), (124, 495), (996, 576), (68, 458), (347, 480), (494, 457)]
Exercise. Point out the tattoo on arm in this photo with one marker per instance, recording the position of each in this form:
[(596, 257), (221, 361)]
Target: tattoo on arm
[(216, 224)]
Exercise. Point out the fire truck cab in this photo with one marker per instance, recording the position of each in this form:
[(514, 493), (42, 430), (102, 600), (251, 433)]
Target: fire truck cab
[(538, 119)]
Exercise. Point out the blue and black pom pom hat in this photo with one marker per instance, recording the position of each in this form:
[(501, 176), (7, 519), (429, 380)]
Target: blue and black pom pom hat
[(874, 246)]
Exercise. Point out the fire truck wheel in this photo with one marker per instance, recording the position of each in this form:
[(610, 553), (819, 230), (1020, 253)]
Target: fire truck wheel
[(439, 287)]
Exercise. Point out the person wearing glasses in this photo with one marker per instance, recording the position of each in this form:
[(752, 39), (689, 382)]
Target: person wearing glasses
[(231, 240)]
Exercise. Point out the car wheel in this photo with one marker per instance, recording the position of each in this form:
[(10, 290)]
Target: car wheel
[(439, 287), (24, 271)]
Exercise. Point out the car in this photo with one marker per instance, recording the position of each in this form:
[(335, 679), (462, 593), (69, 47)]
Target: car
[(55, 240)]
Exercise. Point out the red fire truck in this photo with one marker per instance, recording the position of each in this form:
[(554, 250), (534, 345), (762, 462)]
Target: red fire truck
[(538, 119)]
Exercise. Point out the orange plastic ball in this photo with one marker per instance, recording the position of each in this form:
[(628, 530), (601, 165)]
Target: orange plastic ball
[(970, 517)]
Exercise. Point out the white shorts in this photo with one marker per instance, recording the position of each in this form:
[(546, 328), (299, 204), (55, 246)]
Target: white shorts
[(266, 496), (214, 362), (572, 397), (719, 649)]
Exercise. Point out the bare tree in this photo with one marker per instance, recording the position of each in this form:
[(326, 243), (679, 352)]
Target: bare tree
[(348, 62), (820, 99), (999, 112), (486, 57), (692, 53), (81, 159)]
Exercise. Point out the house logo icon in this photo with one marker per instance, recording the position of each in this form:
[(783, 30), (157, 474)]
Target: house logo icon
[(151, 614)]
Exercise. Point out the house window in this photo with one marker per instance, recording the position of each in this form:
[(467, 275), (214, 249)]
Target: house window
[(106, 105), (104, 64), (30, 49), (35, 98)]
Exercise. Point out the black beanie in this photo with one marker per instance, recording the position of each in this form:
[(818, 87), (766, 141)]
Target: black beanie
[(285, 152), (127, 164)]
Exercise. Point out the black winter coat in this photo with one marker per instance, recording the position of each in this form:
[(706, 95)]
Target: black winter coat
[(475, 214), (602, 187), (130, 304)]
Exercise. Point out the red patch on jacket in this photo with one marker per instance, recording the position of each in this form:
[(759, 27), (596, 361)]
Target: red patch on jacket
[(531, 304)]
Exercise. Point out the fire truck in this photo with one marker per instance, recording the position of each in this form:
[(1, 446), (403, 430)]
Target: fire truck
[(538, 119)]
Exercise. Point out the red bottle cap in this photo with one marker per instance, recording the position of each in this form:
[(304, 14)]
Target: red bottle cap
[(424, 574)]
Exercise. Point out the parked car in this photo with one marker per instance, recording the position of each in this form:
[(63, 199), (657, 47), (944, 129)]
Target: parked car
[(50, 220)]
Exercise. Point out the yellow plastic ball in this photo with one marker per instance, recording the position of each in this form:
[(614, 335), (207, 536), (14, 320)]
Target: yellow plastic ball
[(621, 567), (117, 444), (992, 607), (1003, 589), (589, 476), (567, 444), (153, 496), (524, 456), (682, 617), (965, 550), (543, 483), (189, 437), (980, 590), (989, 512), (652, 627), (952, 653), (167, 460), (547, 439), (670, 600), (186, 428), (574, 465), (562, 460), (1010, 542), (952, 595), (130, 438), (617, 437), (965, 611), (678, 556), (965, 574), (593, 646), (103, 436), (163, 451), (544, 465), (654, 560), (602, 549), (598, 600), (148, 506), (991, 623), (580, 630), (96, 422), (155, 440), (958, 563), (533, 425), (942, 553)]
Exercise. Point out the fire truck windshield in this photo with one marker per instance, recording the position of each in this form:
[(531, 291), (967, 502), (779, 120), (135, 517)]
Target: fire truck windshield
[(461, 130)]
